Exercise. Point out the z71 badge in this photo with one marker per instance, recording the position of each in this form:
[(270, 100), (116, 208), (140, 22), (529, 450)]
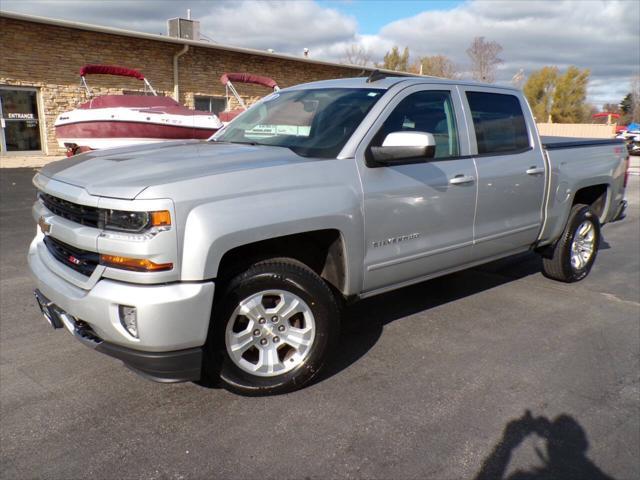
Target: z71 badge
[(394, 240)]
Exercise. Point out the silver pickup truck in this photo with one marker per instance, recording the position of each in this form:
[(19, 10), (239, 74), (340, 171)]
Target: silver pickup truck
[(227, 261)]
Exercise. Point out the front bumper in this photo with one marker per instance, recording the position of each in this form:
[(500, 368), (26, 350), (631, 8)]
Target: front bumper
[(173, 319), (177, 366)]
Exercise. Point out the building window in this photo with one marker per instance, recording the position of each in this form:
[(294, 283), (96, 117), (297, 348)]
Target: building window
[(210, 104)]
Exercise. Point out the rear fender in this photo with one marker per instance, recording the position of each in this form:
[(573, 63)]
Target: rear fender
[(563, 198)]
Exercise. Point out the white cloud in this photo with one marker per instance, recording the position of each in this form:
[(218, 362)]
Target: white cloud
[(600, 35), (281, 25)]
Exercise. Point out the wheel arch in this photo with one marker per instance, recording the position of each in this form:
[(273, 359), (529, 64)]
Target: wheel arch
[(596, 196), (323, 251)]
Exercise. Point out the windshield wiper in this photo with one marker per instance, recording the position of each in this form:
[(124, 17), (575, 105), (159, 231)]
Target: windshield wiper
[(236, 142)]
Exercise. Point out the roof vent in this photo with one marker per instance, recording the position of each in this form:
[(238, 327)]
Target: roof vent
[(183, 28)]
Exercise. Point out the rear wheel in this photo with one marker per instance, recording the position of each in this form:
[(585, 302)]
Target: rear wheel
[(572, 257), (273, 329)]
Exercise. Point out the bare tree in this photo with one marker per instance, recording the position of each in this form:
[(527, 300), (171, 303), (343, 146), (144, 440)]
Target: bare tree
[(356, 55), (484, 59)]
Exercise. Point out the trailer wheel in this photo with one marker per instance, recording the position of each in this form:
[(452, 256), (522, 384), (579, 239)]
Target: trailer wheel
[(573, 255)]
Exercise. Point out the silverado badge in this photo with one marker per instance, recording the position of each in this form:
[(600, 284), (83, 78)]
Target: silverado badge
[(395, 240)]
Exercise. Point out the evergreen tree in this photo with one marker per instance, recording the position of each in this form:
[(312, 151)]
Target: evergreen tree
[(627, 104)]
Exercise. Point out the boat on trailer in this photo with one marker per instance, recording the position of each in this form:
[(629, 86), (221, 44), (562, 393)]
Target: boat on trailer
[(228, 80), (108, 121)]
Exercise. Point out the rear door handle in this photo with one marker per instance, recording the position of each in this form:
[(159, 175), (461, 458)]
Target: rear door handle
[(535, 170), (461, 180)]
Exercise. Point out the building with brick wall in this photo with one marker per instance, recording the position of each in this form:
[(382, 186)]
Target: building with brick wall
[(41, 58)]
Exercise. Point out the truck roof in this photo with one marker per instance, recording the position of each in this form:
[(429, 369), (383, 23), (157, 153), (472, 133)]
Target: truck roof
[(389, 81)]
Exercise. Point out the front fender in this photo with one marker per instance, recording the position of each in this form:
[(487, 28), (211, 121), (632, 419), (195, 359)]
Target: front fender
[(212, 229)]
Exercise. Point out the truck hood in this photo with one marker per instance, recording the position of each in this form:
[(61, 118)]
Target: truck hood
[(126, 172)]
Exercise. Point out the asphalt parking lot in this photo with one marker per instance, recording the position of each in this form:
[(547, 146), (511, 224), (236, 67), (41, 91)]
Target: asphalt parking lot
[(426, 381)]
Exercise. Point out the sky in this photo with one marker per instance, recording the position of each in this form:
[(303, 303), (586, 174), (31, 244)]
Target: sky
[(601, 35)]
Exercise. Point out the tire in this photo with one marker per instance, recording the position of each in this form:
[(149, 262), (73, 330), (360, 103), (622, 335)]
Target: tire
[(280, 337), (559, 265)]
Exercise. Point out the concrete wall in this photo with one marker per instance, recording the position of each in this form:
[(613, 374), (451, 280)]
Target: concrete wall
[(584, 130)]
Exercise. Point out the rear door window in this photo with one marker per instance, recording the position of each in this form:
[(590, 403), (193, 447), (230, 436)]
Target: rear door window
[(498, 122)]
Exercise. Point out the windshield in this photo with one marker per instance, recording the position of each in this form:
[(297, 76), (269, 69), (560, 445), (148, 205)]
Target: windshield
[(312, 123)]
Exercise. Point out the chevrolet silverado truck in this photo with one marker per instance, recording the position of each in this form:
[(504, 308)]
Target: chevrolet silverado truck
[(227, 261)]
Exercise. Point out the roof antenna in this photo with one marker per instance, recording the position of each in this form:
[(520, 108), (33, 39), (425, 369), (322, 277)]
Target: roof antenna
[(375, 76)]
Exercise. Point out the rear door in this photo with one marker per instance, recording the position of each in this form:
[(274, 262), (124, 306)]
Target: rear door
[(511, 172)]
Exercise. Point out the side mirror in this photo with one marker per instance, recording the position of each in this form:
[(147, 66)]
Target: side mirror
[(401, 148)]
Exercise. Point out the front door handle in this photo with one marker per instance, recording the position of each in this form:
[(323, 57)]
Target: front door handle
[(461, 180), (535, 170)]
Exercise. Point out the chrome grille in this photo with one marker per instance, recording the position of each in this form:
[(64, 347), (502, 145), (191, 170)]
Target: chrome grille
[(89, 216)]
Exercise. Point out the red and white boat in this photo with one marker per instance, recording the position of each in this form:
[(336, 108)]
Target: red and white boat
[(227, 80), (119, 120)]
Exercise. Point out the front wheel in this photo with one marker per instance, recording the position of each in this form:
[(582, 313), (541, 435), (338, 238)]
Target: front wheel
[(273, 329), (575, 252)]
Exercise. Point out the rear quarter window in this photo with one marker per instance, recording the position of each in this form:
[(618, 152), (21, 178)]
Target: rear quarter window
[(498, 122)]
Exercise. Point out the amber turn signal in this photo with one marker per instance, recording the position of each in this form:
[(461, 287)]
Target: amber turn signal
[(134, 264), (161, 218)]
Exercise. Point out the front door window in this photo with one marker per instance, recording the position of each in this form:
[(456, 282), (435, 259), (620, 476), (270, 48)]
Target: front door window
[(20, 121)]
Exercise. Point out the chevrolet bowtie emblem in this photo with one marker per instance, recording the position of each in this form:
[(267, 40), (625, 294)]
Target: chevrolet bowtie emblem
[(44, 225)]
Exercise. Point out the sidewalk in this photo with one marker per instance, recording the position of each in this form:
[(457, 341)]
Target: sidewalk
[(27, 161)]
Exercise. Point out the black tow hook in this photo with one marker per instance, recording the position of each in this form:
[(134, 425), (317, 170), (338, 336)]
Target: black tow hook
[(48, 309)]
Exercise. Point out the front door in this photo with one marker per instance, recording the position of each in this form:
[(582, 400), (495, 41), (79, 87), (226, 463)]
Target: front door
[(417, 221), (19, 120)]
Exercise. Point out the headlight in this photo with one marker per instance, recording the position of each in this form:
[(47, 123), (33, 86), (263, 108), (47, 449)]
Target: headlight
[(124, 221)]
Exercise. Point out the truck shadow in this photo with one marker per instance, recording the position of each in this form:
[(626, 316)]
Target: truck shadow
[(564, 457), (364, 320)]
